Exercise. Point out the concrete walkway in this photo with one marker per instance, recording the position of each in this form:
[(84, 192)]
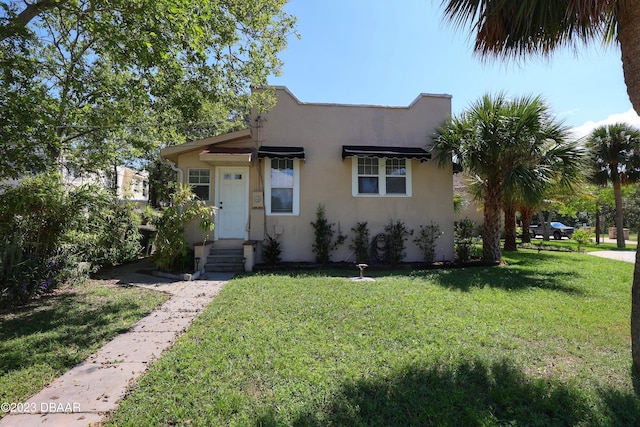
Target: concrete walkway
[(626, 255), (83, 395)]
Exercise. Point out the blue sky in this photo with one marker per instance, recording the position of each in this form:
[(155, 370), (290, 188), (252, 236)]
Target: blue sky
[(387, 52)]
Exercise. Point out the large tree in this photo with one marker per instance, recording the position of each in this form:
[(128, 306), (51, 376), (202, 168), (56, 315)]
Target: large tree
[(96, 82), (615, 158), (513, 29), (509, 146)]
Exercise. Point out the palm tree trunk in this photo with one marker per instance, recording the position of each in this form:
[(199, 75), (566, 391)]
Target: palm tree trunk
[(617, 193), (491, 227), (629, 38), (510, 227), (635, 314)]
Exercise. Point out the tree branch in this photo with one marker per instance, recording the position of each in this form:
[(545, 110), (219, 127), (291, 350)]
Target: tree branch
[(23, 18)]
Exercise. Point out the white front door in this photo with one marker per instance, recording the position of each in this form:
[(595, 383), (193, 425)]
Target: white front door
[(232, 200)]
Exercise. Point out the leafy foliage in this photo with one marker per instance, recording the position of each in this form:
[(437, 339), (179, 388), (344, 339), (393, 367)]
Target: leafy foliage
[(615, 159), (323, 231), (108, 235), (516, 149), (397, 235), (426, 240), (463, 238), (94, 84), (360, 242), (34, 216), (271, 250), (170, 244), (582, 237)]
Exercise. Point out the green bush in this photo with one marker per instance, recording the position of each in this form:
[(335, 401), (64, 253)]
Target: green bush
[(463, 238), (34, 216), (426, 240), (397, 235), (324, 232), (271, 250), (109, 235), (582, 237), (25, 275), (170, 244), (360, 243)]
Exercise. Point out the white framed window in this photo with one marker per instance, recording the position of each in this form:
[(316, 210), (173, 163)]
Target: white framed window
[(200, 182), (388, 177), (282, 186)]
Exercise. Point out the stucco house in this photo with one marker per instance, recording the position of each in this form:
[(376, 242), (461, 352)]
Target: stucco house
[(362, 162)]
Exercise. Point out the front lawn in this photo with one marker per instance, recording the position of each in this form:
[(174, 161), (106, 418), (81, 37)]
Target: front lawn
[(543, 340), (51, 335)]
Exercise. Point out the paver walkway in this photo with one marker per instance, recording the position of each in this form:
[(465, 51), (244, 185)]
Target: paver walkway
[(84, 394)]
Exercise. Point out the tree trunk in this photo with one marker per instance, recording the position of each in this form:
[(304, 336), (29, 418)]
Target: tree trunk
[(629, 38), (617, 192), (598, 226), (635, 313), (510, 228), (491, 226), (628, 17), (526, 214)]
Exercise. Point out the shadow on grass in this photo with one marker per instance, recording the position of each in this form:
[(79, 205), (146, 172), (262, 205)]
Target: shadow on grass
[(523, 271), (57, 331), (465, 394)]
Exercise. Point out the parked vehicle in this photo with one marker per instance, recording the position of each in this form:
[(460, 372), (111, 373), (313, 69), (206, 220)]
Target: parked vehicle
[(558, 230)]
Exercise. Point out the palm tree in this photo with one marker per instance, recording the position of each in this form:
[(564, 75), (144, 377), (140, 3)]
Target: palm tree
[(517, 28), (615, 159), (502, 143), (514, 29)]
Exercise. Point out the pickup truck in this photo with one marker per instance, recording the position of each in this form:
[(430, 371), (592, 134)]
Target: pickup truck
[(558, 230)]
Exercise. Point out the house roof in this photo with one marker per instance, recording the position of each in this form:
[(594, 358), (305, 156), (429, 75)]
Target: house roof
[(172, 153), (385, 151)]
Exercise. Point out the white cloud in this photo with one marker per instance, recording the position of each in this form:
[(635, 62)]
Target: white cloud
[(630, 117)]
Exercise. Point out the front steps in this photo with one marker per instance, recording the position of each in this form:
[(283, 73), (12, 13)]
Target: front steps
[(225, 259)]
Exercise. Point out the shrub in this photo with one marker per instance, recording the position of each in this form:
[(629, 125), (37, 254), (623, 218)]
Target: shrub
[(426, 240), (110, 234), (397, 235), (323, 231), (170, 243), (582, 237), (24, 276), (361, 242), (271, 250), (34, 216), (463, 240)]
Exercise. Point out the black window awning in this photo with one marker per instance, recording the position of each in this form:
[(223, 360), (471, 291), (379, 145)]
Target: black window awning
[(273, 152), (385, 151)]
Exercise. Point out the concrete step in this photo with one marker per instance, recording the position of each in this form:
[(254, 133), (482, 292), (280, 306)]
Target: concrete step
[(237, 267), (225, 259)]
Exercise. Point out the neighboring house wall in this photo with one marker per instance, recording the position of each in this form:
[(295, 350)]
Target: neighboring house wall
[(470, 208), (133, 185), (323, 176)]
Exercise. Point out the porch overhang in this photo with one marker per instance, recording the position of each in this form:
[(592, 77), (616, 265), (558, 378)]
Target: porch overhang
[(385, 151), (277, 152), (227, 155)]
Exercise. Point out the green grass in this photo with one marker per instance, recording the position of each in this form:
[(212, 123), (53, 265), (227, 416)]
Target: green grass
[(543, 340), (589, 247), (50, 336)]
